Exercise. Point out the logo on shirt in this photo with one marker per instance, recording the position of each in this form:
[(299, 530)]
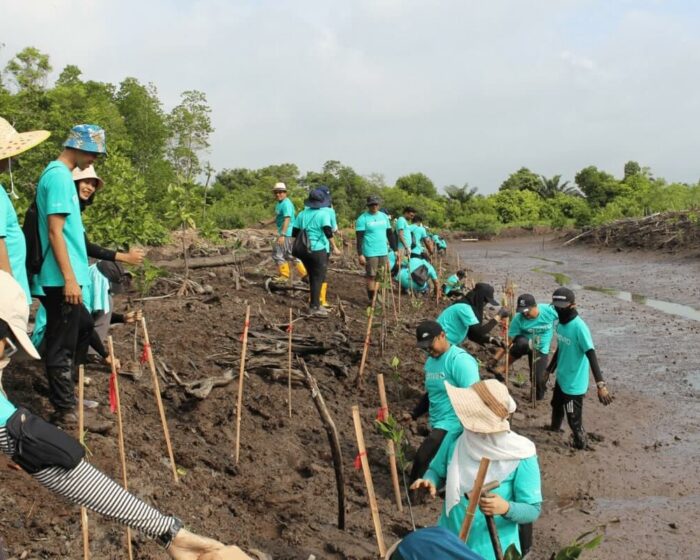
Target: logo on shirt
[(563, 339), (435, 376)]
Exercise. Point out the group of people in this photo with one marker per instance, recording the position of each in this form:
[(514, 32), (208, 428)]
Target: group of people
[(469, 417), (51, 264)]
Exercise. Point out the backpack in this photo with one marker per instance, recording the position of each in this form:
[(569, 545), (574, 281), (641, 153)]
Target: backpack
[(420, 275), (30, 228), (301, 249)]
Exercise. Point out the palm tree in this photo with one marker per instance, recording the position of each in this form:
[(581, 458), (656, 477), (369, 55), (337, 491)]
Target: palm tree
[(460, 194), (549, 188)]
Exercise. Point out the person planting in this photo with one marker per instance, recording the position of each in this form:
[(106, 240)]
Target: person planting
[(417, 276), (454, 285)]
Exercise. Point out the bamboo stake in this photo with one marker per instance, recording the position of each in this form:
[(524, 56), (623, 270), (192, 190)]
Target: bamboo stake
[(289, 364), (474, 499), (81, 438), (365, 350), (400, 257), (368, 481), (391, 287), (159, 400), (120, 425), (507, 349), (390, 447), (241, 375)]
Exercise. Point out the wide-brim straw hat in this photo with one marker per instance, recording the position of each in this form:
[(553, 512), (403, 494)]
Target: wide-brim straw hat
[(87, 173), (15, 312), (13, 143), (392, 549), (484, 407)]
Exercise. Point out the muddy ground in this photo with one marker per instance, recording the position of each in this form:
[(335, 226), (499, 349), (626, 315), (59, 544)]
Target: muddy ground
[(640, 479)]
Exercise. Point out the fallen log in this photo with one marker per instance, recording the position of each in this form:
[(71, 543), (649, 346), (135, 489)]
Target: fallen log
[(203, 262)]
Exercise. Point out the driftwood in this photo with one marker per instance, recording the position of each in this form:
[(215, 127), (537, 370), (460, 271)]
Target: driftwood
[(203, 262), (333, 440), (199, 388)]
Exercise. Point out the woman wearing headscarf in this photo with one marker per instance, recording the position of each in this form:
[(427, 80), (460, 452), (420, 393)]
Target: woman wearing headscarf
[(483, 410)]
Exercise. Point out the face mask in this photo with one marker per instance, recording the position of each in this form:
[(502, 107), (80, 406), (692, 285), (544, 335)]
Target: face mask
[(566, 314)]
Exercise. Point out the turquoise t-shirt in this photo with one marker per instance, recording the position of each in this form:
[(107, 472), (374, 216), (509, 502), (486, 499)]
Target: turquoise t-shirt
[(452, 284), (540, 329), (375, 242), (407, 280), (313, 220), (402, 225), (459, 369), (284, 209), (419, 234), (333, 218), (14, 242), (573, 341), (523, 485), (56, 194), (456, 320), (7, 409)]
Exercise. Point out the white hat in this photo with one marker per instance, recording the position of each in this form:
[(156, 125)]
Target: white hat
[(15, 312), (87, 173), (280, 187), (13, 143), (483, 407)]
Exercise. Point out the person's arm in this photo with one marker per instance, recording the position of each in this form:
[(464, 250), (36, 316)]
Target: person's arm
[(480, 333), (421, 407), (71, 290), (429, 245), (328, 232), (359, 238), (285, 225), (604, 395), (392, 240), (402, 239), (4, 257)]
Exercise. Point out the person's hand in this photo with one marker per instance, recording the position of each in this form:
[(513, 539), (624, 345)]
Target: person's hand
[(363, 260), (188, 546), (497, 342), (72, 292), (135, 256), (604, 396), (424, 483), (503, 312), (280, 240), (337, 251), (133, 316), (117, 364), (493, 504)]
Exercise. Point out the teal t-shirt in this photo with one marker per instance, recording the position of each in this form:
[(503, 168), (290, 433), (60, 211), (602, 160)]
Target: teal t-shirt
[(540, 329), (313, 220), (7, 409), (459, 369), (333, 218), (456, 320), (419, 234), (375, 242), (452, 284), (56, 194), (14, 242), (573, 341), (402, 225), (523, 485), (284, 209), (407, 280)]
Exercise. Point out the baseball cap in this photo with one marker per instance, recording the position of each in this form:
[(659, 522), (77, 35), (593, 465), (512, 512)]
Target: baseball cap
[(373, 199), (426, 332), (563, 297), (525, 302)]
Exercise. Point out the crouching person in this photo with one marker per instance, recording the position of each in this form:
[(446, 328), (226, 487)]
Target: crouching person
[(418, 276)]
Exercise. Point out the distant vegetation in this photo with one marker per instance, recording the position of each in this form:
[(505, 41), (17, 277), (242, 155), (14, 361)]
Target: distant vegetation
[(158, 179)]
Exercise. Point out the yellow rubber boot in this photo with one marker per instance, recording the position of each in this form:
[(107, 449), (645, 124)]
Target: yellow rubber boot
[(324, 289), (301, 269), (283, 271)]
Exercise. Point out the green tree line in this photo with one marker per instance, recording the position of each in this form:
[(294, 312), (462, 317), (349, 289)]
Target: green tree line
[(158, 178)]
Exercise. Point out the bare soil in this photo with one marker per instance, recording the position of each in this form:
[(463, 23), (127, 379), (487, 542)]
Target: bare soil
[(639, 479)]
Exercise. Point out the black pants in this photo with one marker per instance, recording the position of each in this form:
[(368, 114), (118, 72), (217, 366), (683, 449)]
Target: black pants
[(316, 266), (425, 453), (66, 338), (572, 407), (525, 534), (520, 348)]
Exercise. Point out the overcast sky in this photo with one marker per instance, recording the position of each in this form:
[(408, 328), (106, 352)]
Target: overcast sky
[(461, 90)]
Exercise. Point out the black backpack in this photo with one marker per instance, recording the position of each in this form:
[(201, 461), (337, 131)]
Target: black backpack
[(420, 275), (35, 256), (301, 249)]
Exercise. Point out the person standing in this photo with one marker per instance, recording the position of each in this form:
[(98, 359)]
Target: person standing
[(446, 363), (328, 207), (65, 266), (421, 244), (574, 357), (403, 231), (373, 230), (282, 249)]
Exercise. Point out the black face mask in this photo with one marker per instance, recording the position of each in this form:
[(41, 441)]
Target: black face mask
[(566, 314)]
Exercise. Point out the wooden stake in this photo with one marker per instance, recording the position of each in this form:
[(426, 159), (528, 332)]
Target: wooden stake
[(241, 375), (365, 349), (81, 438), (159, 400), (474, 499), (400, 257), (507, 349), (390, 447), (368, 481), (120, 425), (289, 364), (391, 286)]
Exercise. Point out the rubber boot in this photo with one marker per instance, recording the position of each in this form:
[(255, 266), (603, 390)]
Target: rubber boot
[(301, 269), (324, 289), (283, 272)]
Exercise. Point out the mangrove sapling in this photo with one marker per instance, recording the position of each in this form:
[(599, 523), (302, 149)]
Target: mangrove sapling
[(570, 552)]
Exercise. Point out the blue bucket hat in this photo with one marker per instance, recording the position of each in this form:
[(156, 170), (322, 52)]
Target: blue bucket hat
[(88, 138), (317, 199)]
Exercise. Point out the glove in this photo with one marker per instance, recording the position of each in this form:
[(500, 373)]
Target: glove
[(497, 342), (604, 395), (503, 312)]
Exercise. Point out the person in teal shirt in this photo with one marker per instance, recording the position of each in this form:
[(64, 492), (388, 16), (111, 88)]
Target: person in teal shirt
[(328, 207), (454, 285), (403, 230), (282, 249), (574, 356), (408, 277), (317, 224), (531, 332), (463, 319), (421, 244), (446, 363), (374, 238), (483, 410)]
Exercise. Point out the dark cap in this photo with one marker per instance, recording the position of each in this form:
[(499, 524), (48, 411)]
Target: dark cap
[(373, 199), (525, 302), (426, 332), (410, 209), (487, 291), (563, 297), (316, 199)]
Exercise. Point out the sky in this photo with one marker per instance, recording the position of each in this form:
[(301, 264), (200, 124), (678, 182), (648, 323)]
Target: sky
[(464, 91)]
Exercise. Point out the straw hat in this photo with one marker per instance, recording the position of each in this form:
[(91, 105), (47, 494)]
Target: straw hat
[(392, 549), (13, 143), (87, 173), (15, 312), (279, 187), (483, 407)]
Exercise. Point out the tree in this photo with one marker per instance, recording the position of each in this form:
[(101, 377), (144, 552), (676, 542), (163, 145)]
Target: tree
[(632, 168), (522, 180), (549, 188), (190, 127), (417, 184), (599, 187), (29, 69), (460, 194), (69, 76)]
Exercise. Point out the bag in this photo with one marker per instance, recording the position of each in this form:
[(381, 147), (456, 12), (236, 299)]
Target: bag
[(40, 445), (301, 249), (30, 228), (420, 275)]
